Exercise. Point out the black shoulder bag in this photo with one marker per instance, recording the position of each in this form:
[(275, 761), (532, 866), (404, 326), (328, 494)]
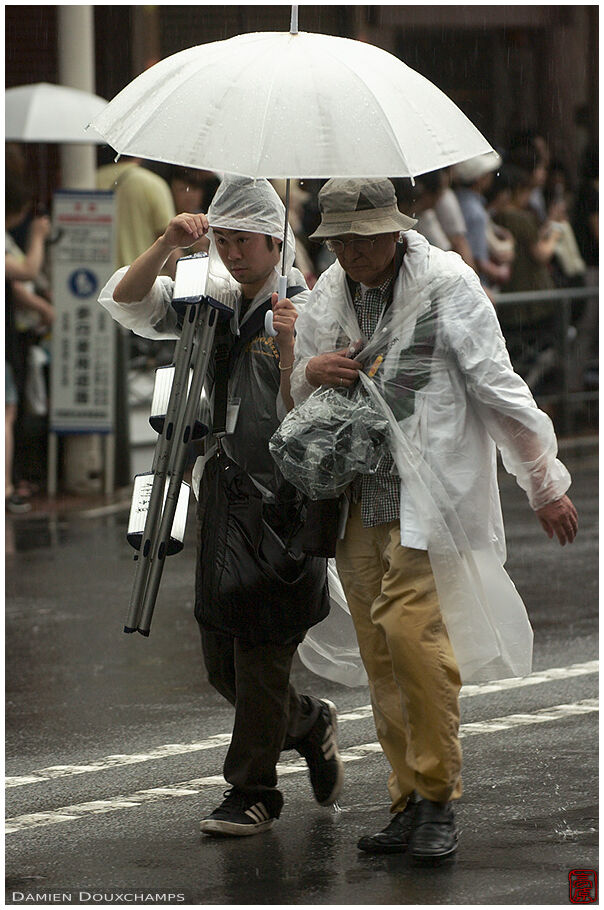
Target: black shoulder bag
[(253, 579)]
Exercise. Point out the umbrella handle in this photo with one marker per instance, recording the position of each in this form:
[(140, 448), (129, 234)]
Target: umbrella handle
[(268, 324), (269, 328)]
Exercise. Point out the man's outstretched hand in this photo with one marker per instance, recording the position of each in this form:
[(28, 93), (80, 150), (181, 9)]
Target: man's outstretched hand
[(559, 518)]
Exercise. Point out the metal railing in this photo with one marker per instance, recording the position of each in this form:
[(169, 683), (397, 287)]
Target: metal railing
[(141, 375), (568, 348)]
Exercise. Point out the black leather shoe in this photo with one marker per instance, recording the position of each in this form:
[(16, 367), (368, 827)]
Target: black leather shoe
[(434, 835), (395, 836)]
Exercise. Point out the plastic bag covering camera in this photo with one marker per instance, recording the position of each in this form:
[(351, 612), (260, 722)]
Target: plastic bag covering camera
[(329, 439)]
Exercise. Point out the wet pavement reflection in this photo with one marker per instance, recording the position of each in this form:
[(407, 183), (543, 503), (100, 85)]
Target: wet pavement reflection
[(80, 691)]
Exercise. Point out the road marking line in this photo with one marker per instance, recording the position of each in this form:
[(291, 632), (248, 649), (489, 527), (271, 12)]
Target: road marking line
[(361, 713), (354, 753), (540, 676), (117, 761), (543, 715)]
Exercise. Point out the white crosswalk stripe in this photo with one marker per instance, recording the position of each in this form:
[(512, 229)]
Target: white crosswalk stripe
[(55, 772), (354, 753)]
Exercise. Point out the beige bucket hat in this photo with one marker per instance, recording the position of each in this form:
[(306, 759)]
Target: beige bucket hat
[(359, 206)]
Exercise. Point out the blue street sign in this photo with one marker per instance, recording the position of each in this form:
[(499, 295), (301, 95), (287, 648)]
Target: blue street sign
[(83, 283)]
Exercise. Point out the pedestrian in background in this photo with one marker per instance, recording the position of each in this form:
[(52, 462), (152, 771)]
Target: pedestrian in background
[(248, 645), (585, 220), (530, 329), (444, 369), (530, 151), (420, 201), (449, 213), (192, 189), (472, 180), (29, 315), (144, 205), (143, 209)]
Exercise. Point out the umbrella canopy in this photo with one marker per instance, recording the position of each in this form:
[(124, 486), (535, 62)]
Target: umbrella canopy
[(279, 104), (50, 113)]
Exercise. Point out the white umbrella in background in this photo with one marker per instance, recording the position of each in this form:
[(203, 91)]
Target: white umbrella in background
[(51, 113)]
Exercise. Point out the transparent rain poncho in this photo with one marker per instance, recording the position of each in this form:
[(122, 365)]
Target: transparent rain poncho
[(437, 369), (330, 649)]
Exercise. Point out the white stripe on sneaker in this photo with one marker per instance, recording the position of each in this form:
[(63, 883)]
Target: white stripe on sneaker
[(329, 749), (258, 812)]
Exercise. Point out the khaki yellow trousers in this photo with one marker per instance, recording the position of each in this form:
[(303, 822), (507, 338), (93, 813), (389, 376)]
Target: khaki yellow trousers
[(413, 676)]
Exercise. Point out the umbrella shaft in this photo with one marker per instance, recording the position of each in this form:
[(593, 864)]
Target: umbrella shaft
[(285, 227), (293, 28)]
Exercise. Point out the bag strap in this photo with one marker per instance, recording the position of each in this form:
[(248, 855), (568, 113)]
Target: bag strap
[(221, 382)]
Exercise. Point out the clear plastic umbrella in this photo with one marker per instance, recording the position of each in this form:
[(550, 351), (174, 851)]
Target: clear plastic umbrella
[(289, 104)]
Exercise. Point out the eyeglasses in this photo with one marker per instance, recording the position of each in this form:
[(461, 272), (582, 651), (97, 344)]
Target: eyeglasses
[(360, 244)]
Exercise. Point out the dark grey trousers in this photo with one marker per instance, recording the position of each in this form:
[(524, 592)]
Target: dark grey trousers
[(270, 716)]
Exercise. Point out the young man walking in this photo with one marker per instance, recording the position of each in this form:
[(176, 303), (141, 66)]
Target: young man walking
[(248, 645)]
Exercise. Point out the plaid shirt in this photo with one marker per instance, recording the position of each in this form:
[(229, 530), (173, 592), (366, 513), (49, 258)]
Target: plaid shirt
[(380, 492)]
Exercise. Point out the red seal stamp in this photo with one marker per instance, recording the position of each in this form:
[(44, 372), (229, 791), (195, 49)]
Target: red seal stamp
[(583, 886)]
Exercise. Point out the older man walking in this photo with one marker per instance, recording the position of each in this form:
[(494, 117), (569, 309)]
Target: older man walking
[(445, 373)]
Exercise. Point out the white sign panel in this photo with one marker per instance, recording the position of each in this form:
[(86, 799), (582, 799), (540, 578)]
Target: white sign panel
[(83, 335)]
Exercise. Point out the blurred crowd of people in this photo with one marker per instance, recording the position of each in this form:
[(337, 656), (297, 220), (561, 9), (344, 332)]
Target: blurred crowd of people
[(516, 218)]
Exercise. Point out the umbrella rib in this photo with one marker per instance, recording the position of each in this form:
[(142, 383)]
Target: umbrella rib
[(265, 138)]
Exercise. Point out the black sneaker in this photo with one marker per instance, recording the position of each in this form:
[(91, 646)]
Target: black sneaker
[(395, 836), (242, 814), (17, 504), (434, 835), (320, 749)]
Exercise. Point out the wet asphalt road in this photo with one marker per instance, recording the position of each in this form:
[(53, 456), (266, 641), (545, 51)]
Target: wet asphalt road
[(87, 829)]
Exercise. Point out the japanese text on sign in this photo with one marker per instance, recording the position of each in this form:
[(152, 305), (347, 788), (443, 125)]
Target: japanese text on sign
[(82, 389)]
